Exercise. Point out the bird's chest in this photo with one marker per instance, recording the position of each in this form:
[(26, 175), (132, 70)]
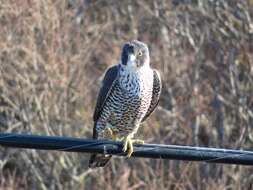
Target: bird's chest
[(128, 102), (135, 87), (136, 93)]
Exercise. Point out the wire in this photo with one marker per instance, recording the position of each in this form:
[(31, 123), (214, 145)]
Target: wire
[(158, 151)]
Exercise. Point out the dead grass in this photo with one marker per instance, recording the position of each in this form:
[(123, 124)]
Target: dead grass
[(53, 54)]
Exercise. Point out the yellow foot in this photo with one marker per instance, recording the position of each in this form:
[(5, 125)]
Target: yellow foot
[(128, 145)]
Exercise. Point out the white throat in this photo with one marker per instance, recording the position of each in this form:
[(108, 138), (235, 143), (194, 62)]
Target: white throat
[(131, 67), (131, 77)]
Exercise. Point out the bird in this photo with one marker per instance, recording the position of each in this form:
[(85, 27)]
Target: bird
[(129, 93)]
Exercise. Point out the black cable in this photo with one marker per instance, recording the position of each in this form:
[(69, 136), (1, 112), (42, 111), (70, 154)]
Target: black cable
[(173, 152)]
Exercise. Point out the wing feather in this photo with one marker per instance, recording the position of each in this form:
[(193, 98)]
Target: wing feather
[(107, 84), (157, 88)]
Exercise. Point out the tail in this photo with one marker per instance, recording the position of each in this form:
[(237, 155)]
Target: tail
[(98, 160)]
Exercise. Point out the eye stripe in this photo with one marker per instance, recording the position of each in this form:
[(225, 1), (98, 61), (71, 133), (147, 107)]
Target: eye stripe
[(124, 56), (127, 48)]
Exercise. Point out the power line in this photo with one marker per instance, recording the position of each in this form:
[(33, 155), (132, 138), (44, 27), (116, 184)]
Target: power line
[(158, 151)]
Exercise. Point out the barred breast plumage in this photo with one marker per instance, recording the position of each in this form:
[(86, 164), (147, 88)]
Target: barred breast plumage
[(128, 103)]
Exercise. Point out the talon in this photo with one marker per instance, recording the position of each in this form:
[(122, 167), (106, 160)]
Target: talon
[(138, 141), (130, 148), (128, 145), (125, 145)]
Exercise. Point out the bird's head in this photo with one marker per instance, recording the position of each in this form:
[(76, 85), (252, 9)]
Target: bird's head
[(135, 55)]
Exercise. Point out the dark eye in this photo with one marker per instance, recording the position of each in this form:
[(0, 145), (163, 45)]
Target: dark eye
[(140, 53)]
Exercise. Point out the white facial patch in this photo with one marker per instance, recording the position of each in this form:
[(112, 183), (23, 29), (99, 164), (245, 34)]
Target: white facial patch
[(131, 60), (131, 57)]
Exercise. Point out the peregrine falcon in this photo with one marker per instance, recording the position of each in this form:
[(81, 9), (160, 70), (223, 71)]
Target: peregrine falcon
[(130, 92)]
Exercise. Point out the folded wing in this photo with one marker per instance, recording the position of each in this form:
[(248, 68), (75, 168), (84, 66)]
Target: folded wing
[(107, 85), (157, 88)]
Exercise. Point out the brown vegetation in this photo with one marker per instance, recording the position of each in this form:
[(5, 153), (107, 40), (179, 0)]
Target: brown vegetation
[(52, 57)]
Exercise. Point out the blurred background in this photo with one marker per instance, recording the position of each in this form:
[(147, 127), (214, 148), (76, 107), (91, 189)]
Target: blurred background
[(52, 58)]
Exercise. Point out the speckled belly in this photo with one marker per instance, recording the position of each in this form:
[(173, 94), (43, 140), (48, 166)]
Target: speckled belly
[(123, 110)]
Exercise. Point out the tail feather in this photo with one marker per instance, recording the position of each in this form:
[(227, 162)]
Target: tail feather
[(98, 160)]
